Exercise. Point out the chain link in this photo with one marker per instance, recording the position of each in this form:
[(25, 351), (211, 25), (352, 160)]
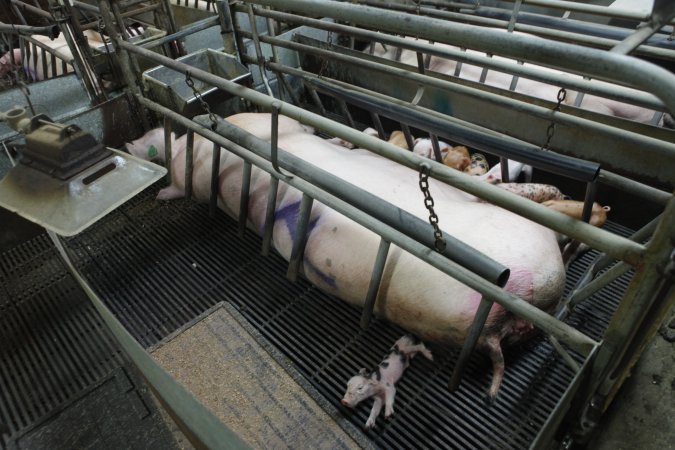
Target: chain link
[(550, 131), (439, 242), (191, 84)]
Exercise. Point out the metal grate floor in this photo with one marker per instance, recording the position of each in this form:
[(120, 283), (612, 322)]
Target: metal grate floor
[(160, 265)]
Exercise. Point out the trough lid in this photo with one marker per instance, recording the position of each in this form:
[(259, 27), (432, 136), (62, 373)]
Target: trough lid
[(69, 206)]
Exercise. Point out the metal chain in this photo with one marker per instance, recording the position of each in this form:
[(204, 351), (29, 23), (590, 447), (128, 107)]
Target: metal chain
[(550, 131), (439, 242), (191, 84)]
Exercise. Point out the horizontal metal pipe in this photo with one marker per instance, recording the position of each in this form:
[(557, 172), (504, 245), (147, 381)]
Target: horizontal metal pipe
[(646, 142), (593, 62), (642, 190), (194, 28), (552, 162), (32, 9), (539, 318), (616, 246), (615, 93), (51, 31), (618, 13)]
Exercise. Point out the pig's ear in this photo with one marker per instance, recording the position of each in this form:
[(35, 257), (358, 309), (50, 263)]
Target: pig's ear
[(363, 371), (416, 141)]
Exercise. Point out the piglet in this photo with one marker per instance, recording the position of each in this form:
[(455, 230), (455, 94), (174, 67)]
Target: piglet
[(458, 157), (381, 382), (478, 165), (424, 147), (575, 209)]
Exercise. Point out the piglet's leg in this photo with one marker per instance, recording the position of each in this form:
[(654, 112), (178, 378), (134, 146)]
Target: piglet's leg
[(389, 397), (421, 348), (377, 407), (495, 350)]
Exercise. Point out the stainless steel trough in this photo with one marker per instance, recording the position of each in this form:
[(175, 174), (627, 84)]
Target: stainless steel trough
[(170, 89)]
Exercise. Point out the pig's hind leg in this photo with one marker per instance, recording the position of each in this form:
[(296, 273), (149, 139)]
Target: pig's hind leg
[(494, 348)]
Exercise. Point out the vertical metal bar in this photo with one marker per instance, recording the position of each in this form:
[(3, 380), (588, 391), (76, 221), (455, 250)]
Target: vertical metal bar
[(189, 163), (300, 238), (345, 112), (483, 74), (316, 98), (269, 214), (458, 66), (375, 119), (281, 77), (215, 171), (565, 354), (375, 279), (408, 136), (470, 342), (274, 141), (243, 200), (227, 29), (591, 189), (436, 147), (420, 63), (514, 80), (505, 169), (258, 50), (43, 61), (168, 152), (658, 115), (514, 16)]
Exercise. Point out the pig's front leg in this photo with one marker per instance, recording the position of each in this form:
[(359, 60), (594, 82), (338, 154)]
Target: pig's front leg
[(377, 407), (389, 397)]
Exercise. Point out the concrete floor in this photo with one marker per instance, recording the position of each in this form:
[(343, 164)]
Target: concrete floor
[(642, 416)]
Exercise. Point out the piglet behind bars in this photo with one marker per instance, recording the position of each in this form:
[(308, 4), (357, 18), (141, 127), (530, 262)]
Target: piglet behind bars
[(380, 383)]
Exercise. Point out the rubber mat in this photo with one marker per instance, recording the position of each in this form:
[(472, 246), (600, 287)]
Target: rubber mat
[(225, 366)]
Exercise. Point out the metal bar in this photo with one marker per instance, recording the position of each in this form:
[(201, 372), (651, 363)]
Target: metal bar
[(257, 151), (375, 119), (51, 31), (374, 286), (243, 200), (168, 151), (227, 28), (435, 146), (345, 112), (537, 74), (215, 171), (591, 189), (521, 151), (258, 50), (642, 190), (639, 299), (593, 62), (565, 354), (191, 29), (274, 141), (617, 246), (470, 342), (598, 283), (189, 163), (32, 9), (269, 214), (408, 136), (202, 427), (317, 99), (300, 238), (504, 168), (589, 8)]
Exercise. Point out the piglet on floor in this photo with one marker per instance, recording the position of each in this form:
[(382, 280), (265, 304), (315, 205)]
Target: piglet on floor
[(381, 383)]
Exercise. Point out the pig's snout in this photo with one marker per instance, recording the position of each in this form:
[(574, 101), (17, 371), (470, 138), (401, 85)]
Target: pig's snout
[(346, 403)]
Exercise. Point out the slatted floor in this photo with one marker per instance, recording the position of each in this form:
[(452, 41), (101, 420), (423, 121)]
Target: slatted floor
[(159, 265)]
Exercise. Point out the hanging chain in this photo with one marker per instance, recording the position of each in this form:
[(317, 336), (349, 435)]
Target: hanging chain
[(550, 131), (439, 242), (191, 84)]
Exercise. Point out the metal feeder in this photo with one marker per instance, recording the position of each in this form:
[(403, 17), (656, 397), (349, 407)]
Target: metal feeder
[(168, 87), (65, 180), (102, 52)]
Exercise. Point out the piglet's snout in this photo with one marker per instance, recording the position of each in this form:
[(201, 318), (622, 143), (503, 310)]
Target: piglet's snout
[(346, 403)]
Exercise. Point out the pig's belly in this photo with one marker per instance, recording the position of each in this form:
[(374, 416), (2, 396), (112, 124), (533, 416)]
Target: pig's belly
[(340, 254)]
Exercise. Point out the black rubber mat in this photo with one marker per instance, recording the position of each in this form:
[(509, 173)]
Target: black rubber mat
[(159, 265)]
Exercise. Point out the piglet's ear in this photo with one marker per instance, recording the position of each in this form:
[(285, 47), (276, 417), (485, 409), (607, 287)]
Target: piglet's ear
[(417, 140), (363, 371)]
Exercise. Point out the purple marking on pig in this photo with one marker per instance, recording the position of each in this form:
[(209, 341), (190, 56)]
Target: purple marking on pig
[(328, 279)]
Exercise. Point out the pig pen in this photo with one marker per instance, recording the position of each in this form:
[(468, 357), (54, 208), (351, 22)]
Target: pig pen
[(161, 266)]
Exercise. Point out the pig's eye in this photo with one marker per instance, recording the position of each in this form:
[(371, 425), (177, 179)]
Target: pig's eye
[(360, 389)]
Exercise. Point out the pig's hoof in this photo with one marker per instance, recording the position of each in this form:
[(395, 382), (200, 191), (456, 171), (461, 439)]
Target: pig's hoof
[(389, 417), (489, 400), (369, 425)]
